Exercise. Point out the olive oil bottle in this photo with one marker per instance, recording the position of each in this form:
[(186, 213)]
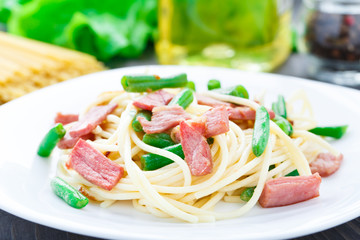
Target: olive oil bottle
[(250, 35)]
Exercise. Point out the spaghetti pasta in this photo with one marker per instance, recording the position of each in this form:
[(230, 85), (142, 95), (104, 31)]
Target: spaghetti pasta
[(27, 65), (172, 191)]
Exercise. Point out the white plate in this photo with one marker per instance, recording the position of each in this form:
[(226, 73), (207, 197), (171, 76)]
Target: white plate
[(24, 177)]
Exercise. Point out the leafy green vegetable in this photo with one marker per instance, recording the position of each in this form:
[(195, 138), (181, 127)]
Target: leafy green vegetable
[(102, 28)]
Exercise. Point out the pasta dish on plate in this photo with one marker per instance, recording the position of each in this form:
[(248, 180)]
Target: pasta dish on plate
[(177, 153)]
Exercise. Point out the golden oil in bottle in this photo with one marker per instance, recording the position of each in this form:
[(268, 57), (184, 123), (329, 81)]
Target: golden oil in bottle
[(252, 35)]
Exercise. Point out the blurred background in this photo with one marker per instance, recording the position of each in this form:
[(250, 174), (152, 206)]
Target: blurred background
[(257, 35), (251, 35)]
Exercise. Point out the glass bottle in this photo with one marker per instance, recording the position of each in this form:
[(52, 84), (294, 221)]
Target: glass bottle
[(251, 35)]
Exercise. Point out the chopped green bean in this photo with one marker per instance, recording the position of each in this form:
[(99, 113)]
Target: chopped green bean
[(237, 91), (159, 140), (210, 140), (153, 161), (335, 132), (271, 167), (191, 85), (293, 173), (152, 82), (279, 107), (136, 124), (69, 194), (183, 99), (50, 140), (247, 194), (261, 131), (213, 84), (284, 124)]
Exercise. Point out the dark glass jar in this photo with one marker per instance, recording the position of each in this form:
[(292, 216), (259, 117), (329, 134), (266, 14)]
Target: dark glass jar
[(331, 38)]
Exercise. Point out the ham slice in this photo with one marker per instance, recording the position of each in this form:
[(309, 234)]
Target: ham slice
[(163, 118), (235, 112), (245, 113), (91, 120), (68, 142), (155, 99), (94, 166), (289, 190), (208, 101), (212, 123), (196, 150), (66, 118), (326, 164), (217, 121)]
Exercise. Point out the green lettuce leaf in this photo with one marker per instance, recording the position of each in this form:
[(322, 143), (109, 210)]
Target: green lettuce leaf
[(105, 29)]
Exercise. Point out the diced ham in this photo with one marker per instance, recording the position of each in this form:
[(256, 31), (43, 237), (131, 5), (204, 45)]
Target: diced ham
[(94, 166), (198, 125), (289, 190), (217, 121), (68, 142), (66, 118), (91, 120), (196, 149), (163, 118), (326, 164), (155, 99), (212, 123), (208, 101), (245, 113)]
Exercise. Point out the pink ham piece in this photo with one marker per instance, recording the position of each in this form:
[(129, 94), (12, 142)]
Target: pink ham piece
[(326, 164), (163, 118), (289, 190), (94, 166), (245, 113), (68, 142), (91, 120), (196, 150), (66, 118), (212, 123), (208, 101), (155, 99), (217, 121)]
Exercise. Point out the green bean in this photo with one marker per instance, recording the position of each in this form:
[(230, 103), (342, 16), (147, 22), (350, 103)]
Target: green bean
[(213, 84), (191, 85), (271, 167), (261, 131), (237, 91), (335, 132), (152, 82), (284, 124), (50, 140), (247, 194), (159, 140), (69, 194), (153, 161), (293, 173), (136, 124), (183, 99), (279, 107)]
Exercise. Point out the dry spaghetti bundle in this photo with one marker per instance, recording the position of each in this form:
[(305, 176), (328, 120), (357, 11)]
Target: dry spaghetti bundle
[(27, 65), (178, 188)]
